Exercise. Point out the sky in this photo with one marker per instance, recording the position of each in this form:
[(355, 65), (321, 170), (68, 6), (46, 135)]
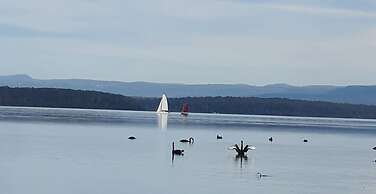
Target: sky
[(257, 42)]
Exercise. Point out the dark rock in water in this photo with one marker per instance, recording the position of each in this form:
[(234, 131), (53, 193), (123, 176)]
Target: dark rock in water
[(305, 140), (219, 137), (131, 137)]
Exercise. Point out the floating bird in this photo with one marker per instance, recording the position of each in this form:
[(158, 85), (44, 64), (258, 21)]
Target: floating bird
[(270, 139), (176, 152), (374, 148), (260, 175), (242, 150), (305, 140), (131, 137), (190, 140), (219, 137)]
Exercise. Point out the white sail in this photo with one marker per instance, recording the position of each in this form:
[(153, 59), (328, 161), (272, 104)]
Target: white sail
[(163, 105)]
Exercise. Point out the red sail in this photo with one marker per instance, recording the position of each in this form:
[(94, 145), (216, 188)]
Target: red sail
[(185, 109)]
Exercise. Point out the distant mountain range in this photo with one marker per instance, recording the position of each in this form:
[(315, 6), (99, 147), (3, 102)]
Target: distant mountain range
[(354, 94)]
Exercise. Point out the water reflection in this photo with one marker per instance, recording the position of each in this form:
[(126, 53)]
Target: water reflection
[(162, 121), (241, 158), (184, 119), (174, 152)]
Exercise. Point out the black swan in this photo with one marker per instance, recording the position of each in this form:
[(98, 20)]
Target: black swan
[(219, 137), (305, 140), (270, 139), (131, 137), (190, 140)]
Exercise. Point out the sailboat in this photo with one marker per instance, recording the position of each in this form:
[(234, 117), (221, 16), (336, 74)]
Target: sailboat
[(185, 109), (163, 105)]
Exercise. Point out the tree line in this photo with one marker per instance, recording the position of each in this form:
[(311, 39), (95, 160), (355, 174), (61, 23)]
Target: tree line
[(67, 98)]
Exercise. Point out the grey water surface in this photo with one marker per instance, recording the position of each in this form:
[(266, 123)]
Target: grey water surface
[(69, 151)]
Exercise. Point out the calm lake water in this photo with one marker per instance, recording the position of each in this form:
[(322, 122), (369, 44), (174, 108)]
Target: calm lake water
[(44, 151)]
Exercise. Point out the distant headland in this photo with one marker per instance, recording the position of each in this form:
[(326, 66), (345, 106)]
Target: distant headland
[(68, 98)]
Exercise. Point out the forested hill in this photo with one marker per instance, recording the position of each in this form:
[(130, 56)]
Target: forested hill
[(66, 98)]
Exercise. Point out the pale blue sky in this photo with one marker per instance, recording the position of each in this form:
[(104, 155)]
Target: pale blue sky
[(191, 41)]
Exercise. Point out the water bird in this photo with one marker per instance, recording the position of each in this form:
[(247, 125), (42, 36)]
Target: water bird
[(242, 150), (374, 148), (219, 137), (305, 140), (176, 151), (131, 137), (190, 140), (271, 139), (260, 175)]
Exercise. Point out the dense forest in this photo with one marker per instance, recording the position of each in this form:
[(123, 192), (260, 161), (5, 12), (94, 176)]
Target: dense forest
[(67, 98)]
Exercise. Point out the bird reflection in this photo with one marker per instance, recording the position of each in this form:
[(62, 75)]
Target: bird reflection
[(241, 158), (174, 152)]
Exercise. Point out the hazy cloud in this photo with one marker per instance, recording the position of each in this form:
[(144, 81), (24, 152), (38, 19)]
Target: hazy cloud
[(321, 10), (211, 41)]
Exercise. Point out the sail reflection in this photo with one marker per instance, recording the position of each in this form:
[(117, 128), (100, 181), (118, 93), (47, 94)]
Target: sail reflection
[(162, 121)]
